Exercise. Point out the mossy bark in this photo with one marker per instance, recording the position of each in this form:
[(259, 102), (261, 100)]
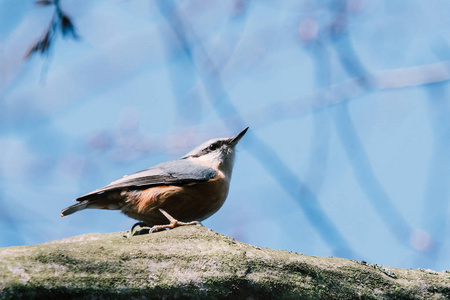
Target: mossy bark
[(195, 262)]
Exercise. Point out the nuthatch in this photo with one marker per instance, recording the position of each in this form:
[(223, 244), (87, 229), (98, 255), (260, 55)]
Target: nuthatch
[(174, 193)]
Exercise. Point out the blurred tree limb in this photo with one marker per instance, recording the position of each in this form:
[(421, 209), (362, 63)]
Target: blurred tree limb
[(360, 162), (361, 82), (267, 156), (350, 89)]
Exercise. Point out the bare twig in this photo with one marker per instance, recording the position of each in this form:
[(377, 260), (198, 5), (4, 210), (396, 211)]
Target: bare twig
[(59, 20)]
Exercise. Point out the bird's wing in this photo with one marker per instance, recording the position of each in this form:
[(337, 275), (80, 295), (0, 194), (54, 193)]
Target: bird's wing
[(178, 172)]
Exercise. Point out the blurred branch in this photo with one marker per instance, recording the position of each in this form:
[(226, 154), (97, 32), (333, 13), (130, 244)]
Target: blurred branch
[(435, 203), (366, 178), (320, 138), (336, 94), (59, 21), (188, 102), (411, 76), (349, 89), (359, 160), (268, 157)]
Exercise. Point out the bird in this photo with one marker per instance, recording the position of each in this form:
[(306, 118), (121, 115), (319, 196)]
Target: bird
[(175, 193)]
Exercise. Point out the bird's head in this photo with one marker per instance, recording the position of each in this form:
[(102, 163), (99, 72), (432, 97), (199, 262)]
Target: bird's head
[(217, 153)]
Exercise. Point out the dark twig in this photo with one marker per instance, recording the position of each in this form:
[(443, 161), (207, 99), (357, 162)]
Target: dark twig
[(59, 21)]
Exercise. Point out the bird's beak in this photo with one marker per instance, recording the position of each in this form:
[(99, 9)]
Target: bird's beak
[(235, 139)]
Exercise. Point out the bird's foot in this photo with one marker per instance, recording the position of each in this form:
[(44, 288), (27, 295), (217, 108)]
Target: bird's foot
[(143, 228), (173, 223)]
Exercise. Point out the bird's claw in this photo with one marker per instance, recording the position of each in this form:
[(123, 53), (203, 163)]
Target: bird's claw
[(144, 229)]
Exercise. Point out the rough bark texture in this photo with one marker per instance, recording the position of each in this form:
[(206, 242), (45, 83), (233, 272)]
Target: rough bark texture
[(195, 262)]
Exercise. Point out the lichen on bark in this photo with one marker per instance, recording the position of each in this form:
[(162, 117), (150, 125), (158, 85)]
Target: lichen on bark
[(198, 263)]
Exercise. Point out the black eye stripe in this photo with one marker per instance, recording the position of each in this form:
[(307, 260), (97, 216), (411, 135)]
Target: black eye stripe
[(213, 146), (208, 149)]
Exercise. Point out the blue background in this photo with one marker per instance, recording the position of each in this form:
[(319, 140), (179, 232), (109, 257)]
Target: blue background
[(347, 102)]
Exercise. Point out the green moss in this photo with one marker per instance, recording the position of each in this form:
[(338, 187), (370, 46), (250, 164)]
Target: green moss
[(196, 262)]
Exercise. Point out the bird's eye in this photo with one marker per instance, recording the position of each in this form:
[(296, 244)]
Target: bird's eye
[(212, 147)]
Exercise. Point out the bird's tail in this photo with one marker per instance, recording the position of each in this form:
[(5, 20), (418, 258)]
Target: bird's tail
[(74, 208)]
